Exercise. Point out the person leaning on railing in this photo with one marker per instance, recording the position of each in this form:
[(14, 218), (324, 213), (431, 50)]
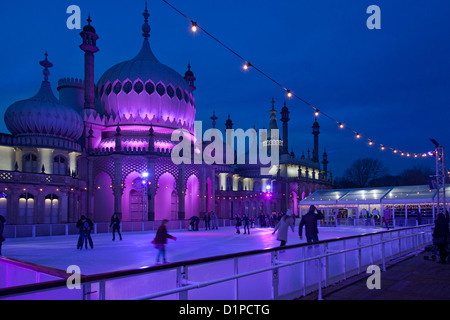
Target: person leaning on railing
[(309, 220)]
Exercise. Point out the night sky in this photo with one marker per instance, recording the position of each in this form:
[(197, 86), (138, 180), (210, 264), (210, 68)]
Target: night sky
[(390, 85)]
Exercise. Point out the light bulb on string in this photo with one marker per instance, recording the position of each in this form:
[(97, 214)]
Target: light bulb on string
[(370, 143), (382, 148), (316, 113), (395, 151), (247, 66), (194, 26), (341, 125), (358, 136), (289, 93)]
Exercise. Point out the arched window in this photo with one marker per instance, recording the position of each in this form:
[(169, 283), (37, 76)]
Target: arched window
[(51, 209), (30, 163), (59, 165), (26, 209)]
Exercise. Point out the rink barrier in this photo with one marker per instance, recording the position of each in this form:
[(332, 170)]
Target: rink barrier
[(65, 229), (316, 271)]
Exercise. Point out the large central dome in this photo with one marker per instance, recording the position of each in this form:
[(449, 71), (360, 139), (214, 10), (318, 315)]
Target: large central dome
[(146, 91)]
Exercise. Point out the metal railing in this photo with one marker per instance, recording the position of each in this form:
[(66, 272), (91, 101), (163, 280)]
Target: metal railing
[(275, 273)]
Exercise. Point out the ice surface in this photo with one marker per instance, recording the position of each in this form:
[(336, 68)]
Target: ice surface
[(136, 250)]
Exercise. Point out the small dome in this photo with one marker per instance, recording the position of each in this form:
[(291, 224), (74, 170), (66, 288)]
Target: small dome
[(43, 114)]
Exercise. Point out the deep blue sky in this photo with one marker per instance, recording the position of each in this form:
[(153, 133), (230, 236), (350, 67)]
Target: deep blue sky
[(391, 85)]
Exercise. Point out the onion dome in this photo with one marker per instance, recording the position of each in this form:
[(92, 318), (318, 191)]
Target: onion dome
[(43, 114), (145, 91)]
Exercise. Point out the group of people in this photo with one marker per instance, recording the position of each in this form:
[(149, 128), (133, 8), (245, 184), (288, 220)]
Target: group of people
[(309, 221), (247, 221), (85, 226), (266, 221)]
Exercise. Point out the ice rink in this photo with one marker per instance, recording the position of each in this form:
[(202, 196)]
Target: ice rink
[(136, 250)]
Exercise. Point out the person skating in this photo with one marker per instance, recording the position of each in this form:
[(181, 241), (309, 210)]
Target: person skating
[(283, 225), (309, 220), (115, 224), (194, 223), (215, 220), (238, 224), (2, 228), (207, 219), (161, 240), (85, 226), (246, 224)]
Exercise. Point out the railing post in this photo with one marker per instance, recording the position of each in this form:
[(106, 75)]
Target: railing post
[(304, 272), (359, 255), (319, 264), (236, 281), (325, 249), (102, 289), (275, 275), (383, 252), (345, 260), (182, 277)]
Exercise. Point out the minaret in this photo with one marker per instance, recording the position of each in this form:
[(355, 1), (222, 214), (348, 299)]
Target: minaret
[(46, 64), (325, 163), (190, 79), (316, 132), (214, 118), (229, 123), (285, 118), (89, 46)]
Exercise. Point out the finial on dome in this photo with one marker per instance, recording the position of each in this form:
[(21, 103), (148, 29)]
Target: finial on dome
[(214, 118), (146, 27), (46, 64)]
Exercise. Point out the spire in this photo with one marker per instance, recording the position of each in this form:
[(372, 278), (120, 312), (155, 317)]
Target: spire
[(229, 123), (46, 64), (146, 27), (214, 118), (189, 77)]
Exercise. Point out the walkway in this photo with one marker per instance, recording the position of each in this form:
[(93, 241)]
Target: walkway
[(413, 278)]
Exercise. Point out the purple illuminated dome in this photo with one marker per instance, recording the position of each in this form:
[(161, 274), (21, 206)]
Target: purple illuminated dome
[(143, 90), (44, 114)]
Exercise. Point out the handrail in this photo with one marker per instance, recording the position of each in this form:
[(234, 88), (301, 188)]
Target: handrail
[(125, 273)]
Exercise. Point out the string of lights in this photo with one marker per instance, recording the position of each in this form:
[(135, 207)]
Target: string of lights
[(290, 94)]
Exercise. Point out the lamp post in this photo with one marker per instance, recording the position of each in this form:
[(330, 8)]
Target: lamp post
[(440, 175), (144, 194)]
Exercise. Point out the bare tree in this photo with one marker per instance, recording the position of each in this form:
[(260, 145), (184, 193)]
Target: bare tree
[(362, 171)]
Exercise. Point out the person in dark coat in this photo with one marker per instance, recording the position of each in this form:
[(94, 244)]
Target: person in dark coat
[(246, 224), (161, 240), (115, 224), (440, 236), (85, 226), (207, 219), (2, 228), (309, 220), (194, 222), (238, 224)]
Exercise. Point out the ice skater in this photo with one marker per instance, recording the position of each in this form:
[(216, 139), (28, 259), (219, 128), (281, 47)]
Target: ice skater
[(309, 220), (246, 224), (115, 224), (207, 219), (2, 227), (194, 223), (215, 220), (85, 226), (283, 225), (161, 240), (238, 224)]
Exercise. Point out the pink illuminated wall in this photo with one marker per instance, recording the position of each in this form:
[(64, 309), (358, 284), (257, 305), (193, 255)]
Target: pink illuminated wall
[(103, 198), (294, 203), (163, 199), (192, 199)]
